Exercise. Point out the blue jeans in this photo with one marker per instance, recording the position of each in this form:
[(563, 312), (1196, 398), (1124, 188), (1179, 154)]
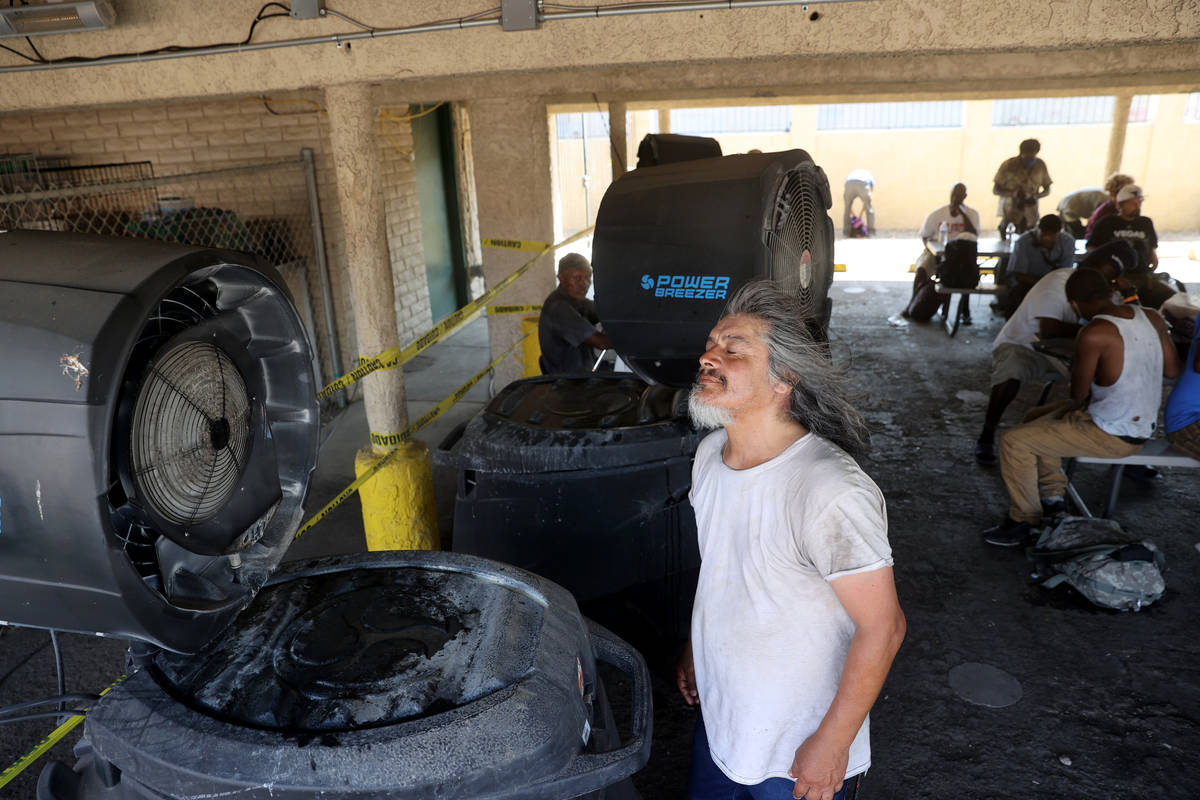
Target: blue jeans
[(707, 782)]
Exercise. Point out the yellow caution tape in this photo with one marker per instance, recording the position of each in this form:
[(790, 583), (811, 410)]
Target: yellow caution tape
[(528, 308), (839, 267), (44, 745), (394, 439), (394, 356), (516, 244)]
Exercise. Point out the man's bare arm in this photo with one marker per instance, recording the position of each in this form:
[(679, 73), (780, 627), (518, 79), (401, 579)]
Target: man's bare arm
[(600, 341), (1051, 328), (1171, 366), (1089, 349), (870, 599), (685, 676)]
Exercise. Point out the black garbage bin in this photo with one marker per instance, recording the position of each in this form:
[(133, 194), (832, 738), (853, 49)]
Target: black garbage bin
[(388, 675), (584, 479)]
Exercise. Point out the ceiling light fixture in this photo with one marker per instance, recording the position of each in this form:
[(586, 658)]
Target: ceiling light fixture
[(37, 19)]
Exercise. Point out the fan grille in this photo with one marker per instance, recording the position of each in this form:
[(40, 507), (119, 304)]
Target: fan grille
[(796, 263), (191, 433)]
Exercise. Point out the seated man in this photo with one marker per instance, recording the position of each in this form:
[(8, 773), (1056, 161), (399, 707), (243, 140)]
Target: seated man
[(1129, 225), (567, 328), (1121, 356), (1182, 414), (962, 223), (1076, 209), (1046, 314), (1034, 254)]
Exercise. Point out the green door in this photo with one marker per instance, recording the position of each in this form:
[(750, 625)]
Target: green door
[(437, 193)]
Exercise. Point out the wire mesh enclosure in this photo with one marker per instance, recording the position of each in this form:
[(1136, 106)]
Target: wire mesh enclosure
[(265, 209)]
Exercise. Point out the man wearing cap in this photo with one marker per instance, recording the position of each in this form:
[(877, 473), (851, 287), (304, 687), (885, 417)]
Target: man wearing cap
[(1121, 356), (1034, 254), (1129, 225), (567, 327), (1019, 182), (1045, 313)]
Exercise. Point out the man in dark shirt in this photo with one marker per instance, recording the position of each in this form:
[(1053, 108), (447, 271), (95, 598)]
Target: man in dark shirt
[(567, 328), (1129, 225)]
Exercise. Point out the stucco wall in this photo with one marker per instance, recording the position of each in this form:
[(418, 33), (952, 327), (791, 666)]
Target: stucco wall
[(885, 40)]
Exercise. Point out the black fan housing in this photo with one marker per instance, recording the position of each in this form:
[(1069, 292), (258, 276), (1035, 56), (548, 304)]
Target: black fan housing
[(674, 242), (158, 428)]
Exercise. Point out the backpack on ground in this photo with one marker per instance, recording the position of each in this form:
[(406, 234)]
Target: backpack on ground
[(959, 268), (925, 301), (1108, 566)]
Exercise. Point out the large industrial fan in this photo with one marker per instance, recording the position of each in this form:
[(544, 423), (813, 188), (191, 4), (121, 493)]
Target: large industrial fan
[(674, 242), (158, 427)]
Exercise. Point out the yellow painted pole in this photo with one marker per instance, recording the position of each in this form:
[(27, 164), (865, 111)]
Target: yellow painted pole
[(398, 506), (531, 348)]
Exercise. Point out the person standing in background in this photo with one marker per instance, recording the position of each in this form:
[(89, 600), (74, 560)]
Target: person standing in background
[(859, 185), (1019, 183)]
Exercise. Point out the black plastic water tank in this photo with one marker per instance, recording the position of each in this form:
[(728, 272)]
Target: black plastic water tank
[(388, 675), (584, 479)]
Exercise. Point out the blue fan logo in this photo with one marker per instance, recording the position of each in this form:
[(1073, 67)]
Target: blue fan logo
[(687, 287)]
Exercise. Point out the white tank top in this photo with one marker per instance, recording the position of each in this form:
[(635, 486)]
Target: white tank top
[(1130, 406)]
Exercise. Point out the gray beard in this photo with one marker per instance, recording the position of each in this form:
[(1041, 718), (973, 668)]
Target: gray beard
[(705, 416)]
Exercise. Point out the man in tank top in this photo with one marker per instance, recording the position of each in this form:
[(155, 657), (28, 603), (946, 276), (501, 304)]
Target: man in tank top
[(1121, 355)]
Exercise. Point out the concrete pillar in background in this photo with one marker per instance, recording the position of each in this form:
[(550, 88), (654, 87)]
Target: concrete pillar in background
[(510, 140), (360, 200), (397, 502), (617, 136), (664, 120), (1116, 138)]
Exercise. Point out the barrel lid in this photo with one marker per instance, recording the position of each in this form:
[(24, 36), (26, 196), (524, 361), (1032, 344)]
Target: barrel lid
[(575, 422), (346, 649)]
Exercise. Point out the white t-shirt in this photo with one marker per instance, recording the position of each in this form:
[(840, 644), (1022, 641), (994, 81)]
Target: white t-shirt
[(769, 636), (955, 229), (1047, 298)]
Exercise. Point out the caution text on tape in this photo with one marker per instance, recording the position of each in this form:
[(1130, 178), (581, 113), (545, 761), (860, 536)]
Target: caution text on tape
[(528, 308), (516, 244)]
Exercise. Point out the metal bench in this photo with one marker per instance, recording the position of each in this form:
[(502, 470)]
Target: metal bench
[(1156, 453), (951, 322)]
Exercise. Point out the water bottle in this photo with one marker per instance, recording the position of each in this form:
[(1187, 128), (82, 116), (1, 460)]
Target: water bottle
[(943, 233), (1009, 231)]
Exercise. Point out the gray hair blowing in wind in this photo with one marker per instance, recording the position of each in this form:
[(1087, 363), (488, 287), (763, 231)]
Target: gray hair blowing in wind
[(818, 398)]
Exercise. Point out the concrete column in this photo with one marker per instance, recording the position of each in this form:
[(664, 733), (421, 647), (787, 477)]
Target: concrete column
[(664, 120), (397, 502), (352, 113), (618, 138), (510, 139), (1116, 138)]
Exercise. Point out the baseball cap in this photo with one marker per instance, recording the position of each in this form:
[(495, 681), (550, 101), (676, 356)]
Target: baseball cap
[(1119, 253), (1130, 191)]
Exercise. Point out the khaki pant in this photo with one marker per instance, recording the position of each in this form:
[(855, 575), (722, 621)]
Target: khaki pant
[(1031, 454)]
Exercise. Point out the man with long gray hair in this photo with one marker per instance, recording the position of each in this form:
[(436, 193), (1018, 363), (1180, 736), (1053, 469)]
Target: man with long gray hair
[(796, 619)]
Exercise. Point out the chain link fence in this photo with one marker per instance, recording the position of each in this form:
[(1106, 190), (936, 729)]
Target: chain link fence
[(267, 209)]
